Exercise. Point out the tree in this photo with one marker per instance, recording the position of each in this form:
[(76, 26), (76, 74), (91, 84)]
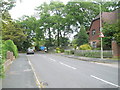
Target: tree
[(82, 37), (31, 27), (51, 19), (117, 32), (5, 6), (12, 31), (111, 31)]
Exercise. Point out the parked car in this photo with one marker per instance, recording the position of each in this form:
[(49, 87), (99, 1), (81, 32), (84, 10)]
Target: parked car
[(30, 50)]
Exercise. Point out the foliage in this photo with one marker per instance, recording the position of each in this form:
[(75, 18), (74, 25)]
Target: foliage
[(30, 26), (85, 47), (10, 46), (5, 6), (59, 50), (2, 59), (117, 32), (13, 32), (110, 31), (56, 22), (69, 52), (4, 47), (75, 46), (81, 37), (94, 53)]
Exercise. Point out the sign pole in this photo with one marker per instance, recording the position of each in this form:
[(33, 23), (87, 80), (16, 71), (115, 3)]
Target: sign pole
[(101, 31)]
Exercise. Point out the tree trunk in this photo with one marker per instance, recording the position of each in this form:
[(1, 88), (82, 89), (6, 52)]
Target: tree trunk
[(58, 38), (49, 32)]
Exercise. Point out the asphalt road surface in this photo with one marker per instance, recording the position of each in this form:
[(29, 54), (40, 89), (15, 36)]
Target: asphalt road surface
[(62, 72)]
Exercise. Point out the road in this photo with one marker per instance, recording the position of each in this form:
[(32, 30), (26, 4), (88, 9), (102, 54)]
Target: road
[(62, 72)]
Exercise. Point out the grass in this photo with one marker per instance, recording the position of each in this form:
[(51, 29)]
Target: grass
[(115, 58)]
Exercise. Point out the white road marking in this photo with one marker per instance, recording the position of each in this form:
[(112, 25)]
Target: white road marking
[(67, 65), (104, 81), (52, 60), (27, 70), (37, 80)]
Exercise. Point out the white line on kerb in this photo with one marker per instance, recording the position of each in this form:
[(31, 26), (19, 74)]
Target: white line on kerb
[(67, 65), (104, 81), (52, 59)]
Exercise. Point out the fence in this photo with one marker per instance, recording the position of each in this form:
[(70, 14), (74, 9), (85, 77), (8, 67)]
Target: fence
[(93, 53)]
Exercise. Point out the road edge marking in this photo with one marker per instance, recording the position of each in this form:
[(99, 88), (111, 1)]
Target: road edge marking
[(37, 80), (104, 81)]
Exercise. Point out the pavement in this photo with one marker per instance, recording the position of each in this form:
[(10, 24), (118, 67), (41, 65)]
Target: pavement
[(56, 71), (19, 74)]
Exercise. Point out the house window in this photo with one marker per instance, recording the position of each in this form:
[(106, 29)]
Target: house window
[(94, 44), (93, 32)]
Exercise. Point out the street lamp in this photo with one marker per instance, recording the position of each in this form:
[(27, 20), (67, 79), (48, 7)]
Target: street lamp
[(100, 28)]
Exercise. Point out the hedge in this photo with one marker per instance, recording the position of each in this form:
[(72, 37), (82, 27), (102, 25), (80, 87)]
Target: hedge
[(93, 53), (5, 46), (10, 46)]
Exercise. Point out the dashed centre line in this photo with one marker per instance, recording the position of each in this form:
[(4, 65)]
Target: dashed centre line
[(52, 60), (67, 65), (104, 81)]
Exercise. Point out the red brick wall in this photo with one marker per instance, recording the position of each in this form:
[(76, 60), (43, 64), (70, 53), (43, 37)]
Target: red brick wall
[(96, 26), (115, 49)]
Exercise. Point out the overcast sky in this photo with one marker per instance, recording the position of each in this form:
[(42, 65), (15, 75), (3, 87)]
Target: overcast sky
[(26, 7)]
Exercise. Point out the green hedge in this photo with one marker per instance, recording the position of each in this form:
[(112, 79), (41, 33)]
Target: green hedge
[(94, 54), (5, 46), (10, 46), (2, 60), (69, 52)]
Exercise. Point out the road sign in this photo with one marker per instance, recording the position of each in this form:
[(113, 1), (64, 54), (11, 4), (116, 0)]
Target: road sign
[(101, 35)]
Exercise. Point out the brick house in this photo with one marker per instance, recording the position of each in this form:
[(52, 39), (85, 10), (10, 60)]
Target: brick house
[(94, 30)]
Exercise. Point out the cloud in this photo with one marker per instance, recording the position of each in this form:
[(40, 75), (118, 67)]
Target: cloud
[(26, 7)]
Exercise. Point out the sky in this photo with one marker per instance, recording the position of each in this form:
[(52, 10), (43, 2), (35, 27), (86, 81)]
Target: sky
[(26, 7)]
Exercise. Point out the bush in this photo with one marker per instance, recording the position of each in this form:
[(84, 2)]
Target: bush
[(71, 51), (62, 50), (67, 52), (59, 50), (2, 60), (85, 47), (10, 46)]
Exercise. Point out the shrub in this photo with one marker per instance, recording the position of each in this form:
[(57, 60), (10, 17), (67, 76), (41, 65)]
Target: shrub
[(75, 46), (2, 60), (66, 52), (71, 51), (59, 50), (62, 50), (10, 46), (85, 47)]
